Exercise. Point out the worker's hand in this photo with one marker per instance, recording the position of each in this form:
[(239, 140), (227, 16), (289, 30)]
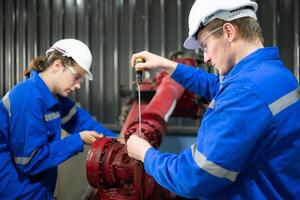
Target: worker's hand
[(88, 137), (137, 147), (153, 61), (121, 139)]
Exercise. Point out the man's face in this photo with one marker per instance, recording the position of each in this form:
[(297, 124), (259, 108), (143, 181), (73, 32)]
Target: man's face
[(216, 50)]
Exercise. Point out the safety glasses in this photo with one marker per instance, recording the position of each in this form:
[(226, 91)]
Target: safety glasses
[(77, 77), (202, 42)]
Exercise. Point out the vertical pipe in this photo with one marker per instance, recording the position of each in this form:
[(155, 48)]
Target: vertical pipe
[(44, 26), (162, 28), (146, 25), (275, 21), (179, 38), (21, 29), (32, 28), (68, 26), (56, 28), (94, 46), (9, 45), (2, 47), (17, 41), (101, 57), (70, 12), (130, 38), (87, 14), (296, 40), (37, 26), (116, 55), (179, 25)]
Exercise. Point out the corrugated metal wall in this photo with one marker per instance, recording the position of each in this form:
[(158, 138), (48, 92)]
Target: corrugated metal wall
[(280, 24), (114, 29)]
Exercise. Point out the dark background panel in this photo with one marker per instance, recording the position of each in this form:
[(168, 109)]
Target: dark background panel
[(114, 30)]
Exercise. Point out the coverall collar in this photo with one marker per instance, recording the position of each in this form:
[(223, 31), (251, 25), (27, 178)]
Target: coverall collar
[(269, 53), (49, 99)]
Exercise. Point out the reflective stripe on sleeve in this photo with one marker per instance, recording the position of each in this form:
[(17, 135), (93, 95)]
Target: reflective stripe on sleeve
[(6, 103), (71, 113), (212, 104), (284, 102), (211, 167), (221, 79), (52, 116), (24, 160)]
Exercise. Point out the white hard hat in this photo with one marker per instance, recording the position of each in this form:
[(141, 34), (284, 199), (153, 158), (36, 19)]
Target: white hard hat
[(204, 11), (77, 50)]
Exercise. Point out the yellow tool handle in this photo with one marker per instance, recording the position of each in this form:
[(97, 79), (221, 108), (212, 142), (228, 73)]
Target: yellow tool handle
[(139, 71)]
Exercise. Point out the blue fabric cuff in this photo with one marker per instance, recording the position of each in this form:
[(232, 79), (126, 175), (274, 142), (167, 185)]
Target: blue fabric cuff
[(177, 74), (150, 154), (75, 142)]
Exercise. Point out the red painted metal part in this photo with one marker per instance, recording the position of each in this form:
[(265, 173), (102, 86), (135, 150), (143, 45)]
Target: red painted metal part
[(157, 112), (111, 171)]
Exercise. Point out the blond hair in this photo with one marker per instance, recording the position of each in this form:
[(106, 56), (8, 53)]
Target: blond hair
[(248, 28)]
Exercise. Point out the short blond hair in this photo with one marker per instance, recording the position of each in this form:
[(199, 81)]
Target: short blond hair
[(248, 28)]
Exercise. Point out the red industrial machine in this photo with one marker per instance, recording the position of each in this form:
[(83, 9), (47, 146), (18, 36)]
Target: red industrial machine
[(110, 170)]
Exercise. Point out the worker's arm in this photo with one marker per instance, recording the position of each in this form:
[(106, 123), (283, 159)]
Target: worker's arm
[(197, 80), (193, 79), (153, 61), (76, 119), (35, 142), (229, 133)]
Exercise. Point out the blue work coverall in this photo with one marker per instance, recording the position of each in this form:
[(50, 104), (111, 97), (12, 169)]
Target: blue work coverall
[(248, 145), (31, 147)]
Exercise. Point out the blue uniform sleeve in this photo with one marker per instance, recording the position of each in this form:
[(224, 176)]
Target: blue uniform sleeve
[(76, 119), (34, 147), (230, 131), (3, 129), (197, 80)]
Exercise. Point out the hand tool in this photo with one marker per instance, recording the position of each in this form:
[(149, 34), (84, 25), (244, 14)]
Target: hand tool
[(139, 80)]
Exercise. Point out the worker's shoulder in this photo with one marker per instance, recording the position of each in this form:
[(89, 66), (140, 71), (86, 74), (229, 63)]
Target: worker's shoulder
[(24, 94), (269, 79)]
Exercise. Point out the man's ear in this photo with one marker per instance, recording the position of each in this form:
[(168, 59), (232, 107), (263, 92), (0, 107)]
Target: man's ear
[(230, 31)]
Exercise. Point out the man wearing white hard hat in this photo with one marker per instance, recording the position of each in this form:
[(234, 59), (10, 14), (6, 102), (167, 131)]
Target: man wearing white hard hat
[(248, 144), (32, 114)]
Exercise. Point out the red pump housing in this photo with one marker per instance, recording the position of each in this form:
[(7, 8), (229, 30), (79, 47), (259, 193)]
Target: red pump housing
[(111, 171)]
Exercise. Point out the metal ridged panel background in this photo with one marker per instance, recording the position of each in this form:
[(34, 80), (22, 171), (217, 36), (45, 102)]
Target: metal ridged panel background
[(114, 29)]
